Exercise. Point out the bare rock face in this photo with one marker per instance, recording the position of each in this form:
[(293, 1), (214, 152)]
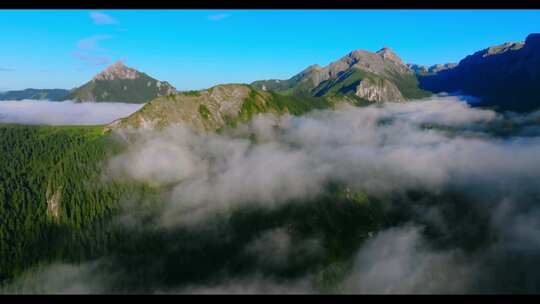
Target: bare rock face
[(499, 49), (388, 54), (117, 71), (378, 91), (54, 197)]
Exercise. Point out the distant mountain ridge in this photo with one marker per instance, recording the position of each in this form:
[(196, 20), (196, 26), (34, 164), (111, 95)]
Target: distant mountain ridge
[(35, 94), (505, 76), (371, 76), (119, 83), (433, 69)]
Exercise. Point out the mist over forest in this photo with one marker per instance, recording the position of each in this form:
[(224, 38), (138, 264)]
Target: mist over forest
[(438, 197), (248, 157)]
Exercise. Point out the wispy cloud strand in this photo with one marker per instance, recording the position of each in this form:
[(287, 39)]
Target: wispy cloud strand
[(91, 43), (89, 51), (218, 17), (92, 59), (100, 18)]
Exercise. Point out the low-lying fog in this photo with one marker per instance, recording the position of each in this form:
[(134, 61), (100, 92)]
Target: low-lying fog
[(437, 145), (63, 113)]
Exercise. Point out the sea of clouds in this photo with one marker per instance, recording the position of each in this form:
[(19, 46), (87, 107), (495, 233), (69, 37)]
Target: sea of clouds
[(437, 144), (63, 113)]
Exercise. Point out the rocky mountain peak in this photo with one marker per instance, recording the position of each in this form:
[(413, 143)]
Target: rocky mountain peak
[(119, 83), (314, 67), (311, 68), (356, 56), (388, 54), (425, 69), (117, 70), (349, 75)]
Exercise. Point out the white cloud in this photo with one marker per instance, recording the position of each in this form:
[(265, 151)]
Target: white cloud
[(379, 149), (349, 145), (92, 59), (218, 17), (63, 113), (251, 285), (397, 261), (383, 150), (91, 43), (90, 52), (101, 18)]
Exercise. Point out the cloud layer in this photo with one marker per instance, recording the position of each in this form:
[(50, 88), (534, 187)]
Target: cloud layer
[(374, 149), (438, 145), (473, 229), (63, 113)]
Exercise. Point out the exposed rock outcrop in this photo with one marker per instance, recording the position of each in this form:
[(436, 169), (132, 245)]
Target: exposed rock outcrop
[(117, 71), (54, 199), (378, 91)]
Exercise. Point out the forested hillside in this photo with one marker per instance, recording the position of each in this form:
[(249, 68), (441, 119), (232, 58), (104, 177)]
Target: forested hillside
[(59, 207), (51, 199)]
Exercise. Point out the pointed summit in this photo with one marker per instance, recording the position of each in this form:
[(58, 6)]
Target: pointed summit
[(120, 83), (118, 70), (118, 63), (389, 54), (385, 49)]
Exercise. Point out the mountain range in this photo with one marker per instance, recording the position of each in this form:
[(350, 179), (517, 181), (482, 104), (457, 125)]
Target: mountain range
[(36, 94), (504, 77), (222, 106), (172, 210), (428, 70), (373, 77)]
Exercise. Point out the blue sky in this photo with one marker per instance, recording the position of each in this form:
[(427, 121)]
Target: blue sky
[(194, 49)]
